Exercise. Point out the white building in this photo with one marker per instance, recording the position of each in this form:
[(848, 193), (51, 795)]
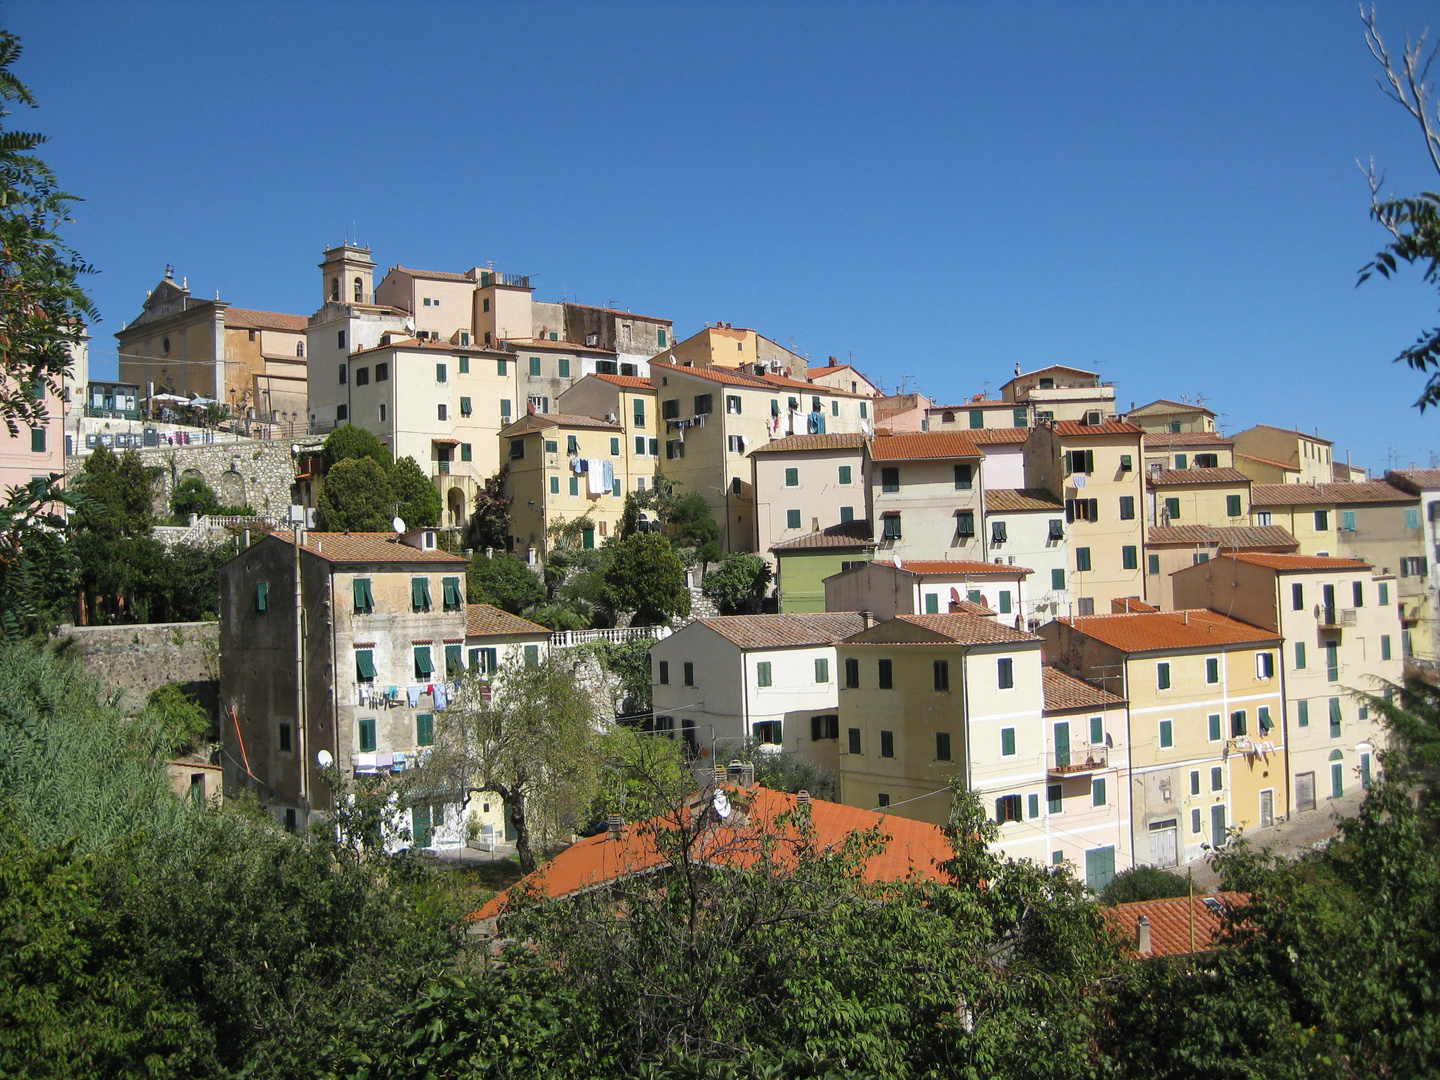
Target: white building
[(888, 588), (1026, 527)]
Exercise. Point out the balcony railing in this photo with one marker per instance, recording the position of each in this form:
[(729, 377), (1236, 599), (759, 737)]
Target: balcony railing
[(442, 468), (1079, 760), (564, 639)]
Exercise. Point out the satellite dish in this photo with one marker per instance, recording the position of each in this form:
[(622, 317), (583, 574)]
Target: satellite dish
[(895, 557), (399, 526), (1364, 747), (325, 758), (721, 802)]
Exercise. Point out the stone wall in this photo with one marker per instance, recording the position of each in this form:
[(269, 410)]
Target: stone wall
[(131, 661)]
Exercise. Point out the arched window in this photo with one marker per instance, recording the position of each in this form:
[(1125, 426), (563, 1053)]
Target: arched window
[(1336, 755), (359, 295), (299, 348), (948, 418), (335, 289)]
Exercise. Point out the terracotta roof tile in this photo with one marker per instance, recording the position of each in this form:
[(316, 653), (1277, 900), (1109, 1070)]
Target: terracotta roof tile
[(999, 436), (848, 534), (515, 344), (1171, 477), (486, 620), (1159, 439), (1152, 631), (365, 547), (1170, 922), (537, 421), (961, 567), (630, 382), (1064, 692), (1235, 536), (958, 628), (911, 848), (237, 318), (1164, 406), (1286, 561), (1074, 429), (1426, 479), (1371, 491), (970, 607), (1125, 605), (1012, 500), (785, 631), (829, 441), (923, 445), (434, 275)]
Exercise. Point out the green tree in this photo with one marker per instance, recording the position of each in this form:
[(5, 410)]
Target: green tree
[(193, 496), (42, 307), (38, 564), (489, 525), (533, 743), (692, 525), (348, 442), (356, 495), (503, 581), (778, 771), (182, 719), (648, 578), (417, 502), (643, 774), (1143, 883), (629, 662), (738, 585), (120, 494)]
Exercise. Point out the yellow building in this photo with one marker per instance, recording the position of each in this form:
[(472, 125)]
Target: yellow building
[(1094, 468), (631, 402), (736, 347), (1219, 498), (1272, 455), (1172, 417), (564, 469), (1306, 511), (1059, 393), (1187, 450), (1206, 743)]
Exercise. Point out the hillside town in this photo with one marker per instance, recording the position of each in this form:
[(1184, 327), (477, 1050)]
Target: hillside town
[(1130, 632)]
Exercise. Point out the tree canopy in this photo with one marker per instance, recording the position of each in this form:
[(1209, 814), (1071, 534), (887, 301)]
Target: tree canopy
[(648, 578), (738, 585), (416, 500), (356, 495), (503, 581), (350, 441)]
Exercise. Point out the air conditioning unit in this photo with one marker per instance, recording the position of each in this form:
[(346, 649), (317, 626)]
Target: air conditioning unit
[(1347, 616), (592, 340), (611, 418)]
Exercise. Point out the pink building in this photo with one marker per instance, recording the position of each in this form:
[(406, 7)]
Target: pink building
[(33, 452)]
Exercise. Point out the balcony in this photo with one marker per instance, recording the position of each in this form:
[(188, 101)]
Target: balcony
[(1331, 618), (1079, 760)]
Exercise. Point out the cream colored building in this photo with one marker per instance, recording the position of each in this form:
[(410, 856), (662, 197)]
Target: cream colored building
[(1059, 393), (978, 414), (1305, 511), (1272, 455), (929, 587), (926, 496), (1206, 737), (1169, 548), (547, 487), (1219, 498), (1341, 631), (1187, 450), (1172, 417), (631, 402), (804, 484), (1094, 468), (739, 348), (1026, 527), (840, 376)]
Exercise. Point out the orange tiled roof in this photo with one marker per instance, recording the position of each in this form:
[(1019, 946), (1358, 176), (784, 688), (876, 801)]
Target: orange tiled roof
[(1169, 477), (1170, 922), (486, 620), (239, 318), (1159, 630), (434, 275), (1164, 406), (970, 607), (958, 628), (1124, 605), (911, 848), (1065, 692), (630, 382), (1286, 561), (1268, 461), (921, 445), (1233, 536), (1074, 429), (848, 534), (515, 344), (536, 421), (1428, 479), (1160, 439), (831, 440), (1003, 435), (958, 567), (785, 631), (363, 547), (1371, 491), (1290, 431), (1011, 500)]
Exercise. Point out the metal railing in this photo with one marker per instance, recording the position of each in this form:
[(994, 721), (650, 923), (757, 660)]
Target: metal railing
[(1079, 760)]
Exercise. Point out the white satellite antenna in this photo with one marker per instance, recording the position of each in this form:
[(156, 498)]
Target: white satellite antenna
[(325, 758), (721, 802), (895, 557), (399, 526)]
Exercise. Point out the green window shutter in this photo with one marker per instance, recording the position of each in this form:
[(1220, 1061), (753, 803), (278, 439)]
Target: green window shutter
[(420, 593), (364, 598), (1297, 597), (975, 596), (453, 600), (424, 729), (535, 365), (489, 660), (1232, 505), (564, 367), (37, 440), (942, 746), (439, 372), (639, 412), (1334, 717), (1129, 557), (465, 451), (762, 673), (792, 477), (1172, 507), (1053, 798), (1005, 602), (932, 604), (1214, 722), (614, 446), (1057, 579), (1300, 653), (1384, 646), (1162, 676), (555, 485), (532, 655), (502, 367), (504, 407), (464, 360), (844, 474), (1181, 461), (365, 664), (1212, 671), (1033, 806), (792, 519), (574, 485), (1007, 742), (423, 666), (572, 444), (615, 487), (1020, 417), (1217, 779), (1154, 563), (822, 670), (1302, 712), (367, 734), (1097, 791), (262, 596), (977, 418), (1082, 559), (454, 664), (847, 513), (864, 412), (1167, 733), (465, 409), (1097, 730), (852, 737)]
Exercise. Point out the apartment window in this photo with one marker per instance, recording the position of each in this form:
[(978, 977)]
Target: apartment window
[(1297, 597), (1007, 742), (382, 372), (732, 404), (1082, 509), (674, 448), (655, 448), (1302, 713), (1217, 778), (365, 665), (454, 600), (640, 445), (364, 597), (735, 485), (844, 474), (284, 732), (1172, 509), (890, 480), (1264, 665), (1385, 591), (1332, 660), (1053, 798), (1080, 461), (1020, 417), (890, 526), (1238, 725), (1322, 520), (1232, 505), (885, 680), (660, 336), (441, 373), (535, 367), (762, 673), (670, 409), (1127, 507), (1082, 559), (977, 418), (688, 673), (768, 733), (1199, 558), (792, 477), (822, 669), (1033, 804), (1213, 725), (639, 405), (1262, 717), (1264, 517), (704, 404), (1384, 646), (852, 675), (1412, 518), (1152, 563), (1130, 557), (442, 412), (262, 596), (1005, 673), (942, 674), (1412, 566), (1007, 808), (887, 744), (847, 513), (852, 739), (343, 369), (1057, 579), (1167, 734), (942, 746), (965, 525), (574, 485), (1194, 821), (1212, 670), (1300, 653), (1181, 462), (1194, 781), (1162, 675), (882, 800), (423, 667), (1084, 605), (1097, 791), (864, 411), (505, 411), (564, 365), (1357, 592), (792, 519), (964, 477), (420, 593), (1334, 718), (1004, 601), (367, 734), (664, 672), (824, 727)]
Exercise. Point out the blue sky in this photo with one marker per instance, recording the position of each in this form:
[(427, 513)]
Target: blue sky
[(1167, 192)]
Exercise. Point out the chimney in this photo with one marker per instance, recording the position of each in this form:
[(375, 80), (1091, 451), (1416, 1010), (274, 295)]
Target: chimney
[(802, 797), (734, 772), (867, 619), (1142, 935), (747, 775), (614, 823)]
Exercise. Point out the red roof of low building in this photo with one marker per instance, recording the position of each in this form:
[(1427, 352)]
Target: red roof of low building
[(911, 848), (830, 440), (486, 620), (1074, 428), (630, 382), (1283, 561), (1014, 500), (1064, 692), (922, 445), (238, 318), (1170, 922), (960, 567), (785, 631), (1172, 477), (1003, 436), (366, 547), (1159, 630)]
